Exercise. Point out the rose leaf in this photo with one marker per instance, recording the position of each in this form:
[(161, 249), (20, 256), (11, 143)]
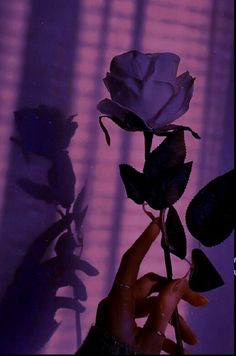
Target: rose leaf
[(134, 182), (204, 276), (164, 190), (176, 234), (37, 191), (171, 152), (209, 216)]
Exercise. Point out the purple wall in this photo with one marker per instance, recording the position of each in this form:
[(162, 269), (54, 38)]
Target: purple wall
[(56, 52)]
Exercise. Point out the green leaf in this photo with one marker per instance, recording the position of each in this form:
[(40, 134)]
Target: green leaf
[(209, 216), (171, 152), (164, 190), (204, 276), (176, 234), (134, 182)]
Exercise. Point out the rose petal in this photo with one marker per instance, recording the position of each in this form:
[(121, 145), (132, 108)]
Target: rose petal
[(133, 63), (142, 65), (145, 86), (166, 65), (122, 116), (125, 92), (183, 80), (119, 87), (177, 106), (121, 65), (145, 99), (152, 99), (161, 66)]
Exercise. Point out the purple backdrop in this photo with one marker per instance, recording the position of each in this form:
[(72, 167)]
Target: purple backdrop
[(56, 52)]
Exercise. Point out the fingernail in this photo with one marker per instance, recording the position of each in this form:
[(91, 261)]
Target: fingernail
[(193, 340), (179, 285), (203, 300), (154, 229)]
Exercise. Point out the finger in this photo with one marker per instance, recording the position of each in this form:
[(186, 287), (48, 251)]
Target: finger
[(148, 342), (170, 347), (165, 305), (150, 337), (144, 308), (145, 285), (186, 332), (130, 262), (152, 282), (194, 298), (121, 304)]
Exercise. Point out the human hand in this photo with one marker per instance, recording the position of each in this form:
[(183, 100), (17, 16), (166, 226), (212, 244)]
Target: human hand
[(130, 298)]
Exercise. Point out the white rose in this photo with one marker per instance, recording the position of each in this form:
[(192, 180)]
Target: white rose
[(144, 87)]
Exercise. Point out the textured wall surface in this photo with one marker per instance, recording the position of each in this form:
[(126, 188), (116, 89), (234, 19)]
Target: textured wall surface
[(56, 52)]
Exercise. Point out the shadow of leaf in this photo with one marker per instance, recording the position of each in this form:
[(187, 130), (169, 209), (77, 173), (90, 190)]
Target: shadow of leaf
[(29, 305), (36, 190)]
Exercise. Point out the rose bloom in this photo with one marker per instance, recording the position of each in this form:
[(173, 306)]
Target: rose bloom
[(146, 94)]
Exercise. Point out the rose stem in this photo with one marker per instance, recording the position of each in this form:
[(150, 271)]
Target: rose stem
[(175, 316), (148, 136)]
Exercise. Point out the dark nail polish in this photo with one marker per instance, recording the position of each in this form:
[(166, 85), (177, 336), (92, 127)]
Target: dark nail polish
[(204, 300)]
